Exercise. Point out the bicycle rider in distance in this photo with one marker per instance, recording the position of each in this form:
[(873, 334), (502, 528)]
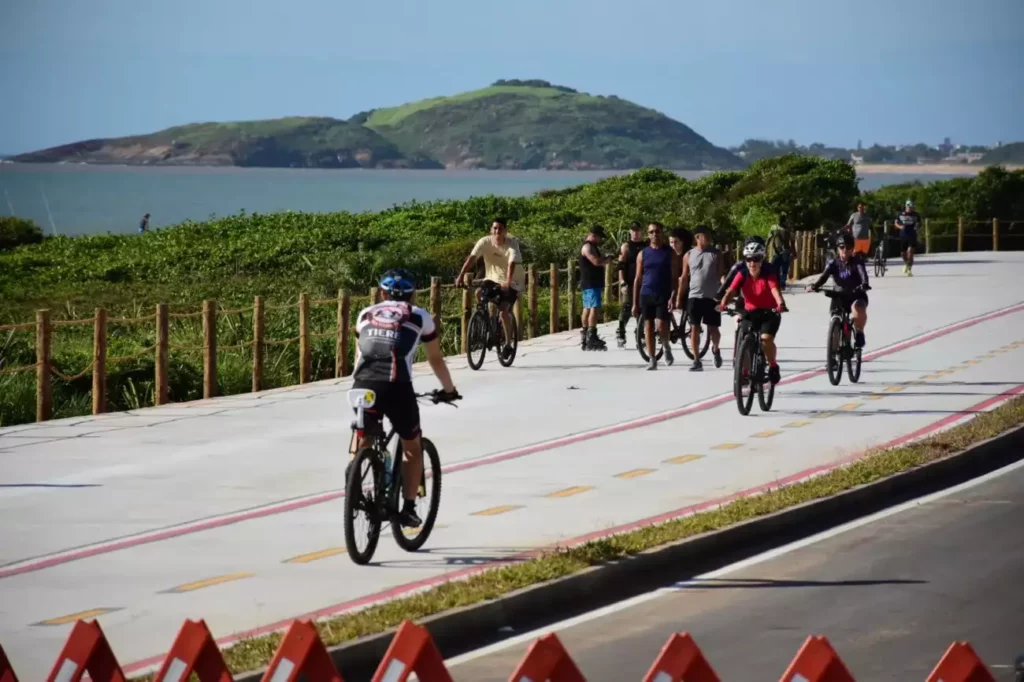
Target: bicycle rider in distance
[(762, 299), (388, 334), (850, 275), (504, 276)]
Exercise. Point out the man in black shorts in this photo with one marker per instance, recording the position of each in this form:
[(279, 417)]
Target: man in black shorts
[(702, 272), (388, 335)]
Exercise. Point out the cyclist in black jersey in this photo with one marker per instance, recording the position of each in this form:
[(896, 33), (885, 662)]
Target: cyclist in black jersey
[(909, 222), (850, 275), (389, 334)]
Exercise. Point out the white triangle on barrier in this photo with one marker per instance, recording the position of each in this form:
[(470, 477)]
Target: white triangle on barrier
[(798, 678), (283, 670), (175, 671), (394, 671), (662, 676)]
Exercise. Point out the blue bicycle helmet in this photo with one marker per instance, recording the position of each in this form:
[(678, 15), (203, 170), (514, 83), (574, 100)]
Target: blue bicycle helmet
[(399, 284)]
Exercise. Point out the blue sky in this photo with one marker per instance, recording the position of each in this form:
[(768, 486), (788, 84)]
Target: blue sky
[(833, 71)]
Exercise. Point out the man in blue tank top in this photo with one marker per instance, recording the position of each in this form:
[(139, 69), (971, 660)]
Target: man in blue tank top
[(657, 271)]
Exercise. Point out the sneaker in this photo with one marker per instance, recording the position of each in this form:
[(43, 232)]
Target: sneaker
[(697, 366), (652, 365), (668, 356), (859, 340), (408, 517), (718, 357), (774, 375)]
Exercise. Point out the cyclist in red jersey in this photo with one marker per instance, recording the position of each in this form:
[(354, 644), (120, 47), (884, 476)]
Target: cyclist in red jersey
[(762, 300)]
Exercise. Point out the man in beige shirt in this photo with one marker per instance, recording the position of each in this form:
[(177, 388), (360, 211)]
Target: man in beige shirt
[(504, 277)]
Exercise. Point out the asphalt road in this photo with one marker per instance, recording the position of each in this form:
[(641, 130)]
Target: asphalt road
[(890, 595)]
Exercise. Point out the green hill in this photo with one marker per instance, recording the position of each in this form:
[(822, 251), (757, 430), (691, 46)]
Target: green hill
[(511, 124), (1008, 153)]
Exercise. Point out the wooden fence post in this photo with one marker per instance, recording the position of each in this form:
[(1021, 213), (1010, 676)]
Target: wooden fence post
[(161, 391), (570, 287), (466, 302), (995, 234), (375, 295), (610, 269), (531, 288), (435, 300), (341, 368), (959, 234), (44, 388), (554, 299), (257, 344), (99, 362), (209, 348), (927, 235), (304, 350)]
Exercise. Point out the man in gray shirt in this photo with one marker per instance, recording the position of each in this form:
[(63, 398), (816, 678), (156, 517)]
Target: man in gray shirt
[(702, 274), (860, 225)]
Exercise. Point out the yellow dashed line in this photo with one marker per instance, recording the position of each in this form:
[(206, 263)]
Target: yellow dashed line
[(973, 362), (766, 434), (930, 376), (494, 511), (209, 582), (727, 446), (633, 473), (796, 425), (986, 356), (825, 415), (569, 492), (850, 406), (72, 617), (894, 389), (682, 459), (313, 556), (874, 396), (945, 371)]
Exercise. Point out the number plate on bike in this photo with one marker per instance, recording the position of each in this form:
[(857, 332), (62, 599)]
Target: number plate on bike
[(362, 397)]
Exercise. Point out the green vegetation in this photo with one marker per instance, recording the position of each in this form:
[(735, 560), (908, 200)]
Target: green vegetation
[(278, 256), (511, 124), (18, 231), (254, 653), (1008, 153)]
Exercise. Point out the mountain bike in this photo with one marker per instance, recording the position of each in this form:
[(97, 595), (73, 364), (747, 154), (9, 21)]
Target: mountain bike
[(486, 331), (838, 345), (880, 264), (683, 331), (382, 498), (674, 336), (750, 369)]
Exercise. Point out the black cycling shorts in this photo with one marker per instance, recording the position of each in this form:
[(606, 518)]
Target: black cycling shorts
[(847, 301), (493, 290), (908, 242), (654, 306), (397, 402), (763, 319)]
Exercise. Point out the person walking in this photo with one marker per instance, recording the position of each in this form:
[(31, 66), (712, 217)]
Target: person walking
[(702, 273), (657, 269), (592, 284), (144, 224), (628, 253)]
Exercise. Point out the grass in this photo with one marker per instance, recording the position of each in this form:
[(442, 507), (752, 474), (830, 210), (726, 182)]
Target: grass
[(254, 653)]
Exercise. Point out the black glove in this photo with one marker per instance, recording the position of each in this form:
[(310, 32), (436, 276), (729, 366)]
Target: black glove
[(441, 396)]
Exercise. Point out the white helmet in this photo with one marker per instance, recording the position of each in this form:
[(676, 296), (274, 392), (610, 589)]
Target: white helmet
[(753, 249), (909, 204)]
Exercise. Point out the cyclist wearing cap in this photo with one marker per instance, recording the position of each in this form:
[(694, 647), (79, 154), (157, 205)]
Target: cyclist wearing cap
[(850, 275), (504, 276), (388, 335), (763, 301), (908, 221)]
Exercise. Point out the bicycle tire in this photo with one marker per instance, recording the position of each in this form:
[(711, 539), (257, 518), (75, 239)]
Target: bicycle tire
[(411, 544), (833, 348), (477, 333), (856, 355), (685, 331), (515, 341), (354, 494), (640, 345), (765, 403), (746, 349)]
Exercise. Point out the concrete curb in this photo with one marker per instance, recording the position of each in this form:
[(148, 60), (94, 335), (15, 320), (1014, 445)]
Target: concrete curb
[(471, 627)]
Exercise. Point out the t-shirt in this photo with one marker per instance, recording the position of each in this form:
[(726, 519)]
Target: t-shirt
[(860, 225), (703, 272), (847, 276), (389, 334), (909, 221), (757, 293), (497, 258)]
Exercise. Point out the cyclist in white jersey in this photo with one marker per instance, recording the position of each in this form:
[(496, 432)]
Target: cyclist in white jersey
[(389, 333)]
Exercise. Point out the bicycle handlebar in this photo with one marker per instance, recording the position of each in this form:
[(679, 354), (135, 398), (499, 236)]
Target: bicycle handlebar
[(434, 397)]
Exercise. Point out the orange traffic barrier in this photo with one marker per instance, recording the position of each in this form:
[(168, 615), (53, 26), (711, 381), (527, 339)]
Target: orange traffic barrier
[(302, 656), (817, 661), (961, 664), (681, 659), (412, 650), (6, 671), (547, 659), (194, 651), (86, 650)]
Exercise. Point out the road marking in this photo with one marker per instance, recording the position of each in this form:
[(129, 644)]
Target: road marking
[(569, 492), (72, 617), (766, 434), (168, 532), (987, 356), (874, 396), (930, 376), (313, 556), (894, 389), (682, 459), (945, 371), (727, 446), (824, 415), (973, 362), (494, 511), (797, 424), (633, 473), (209, 582), (850, 406)]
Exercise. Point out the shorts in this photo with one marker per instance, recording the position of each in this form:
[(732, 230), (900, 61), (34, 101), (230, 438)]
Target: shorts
[(703, 311), (908, 242), (862, 245), (397, 402), (847, 301), (654, 306), (766, 320), (492, 290), (592, 297)]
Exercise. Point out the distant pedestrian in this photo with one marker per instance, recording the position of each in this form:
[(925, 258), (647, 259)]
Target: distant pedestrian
[(144, 224), (781, 249), (628, 253)]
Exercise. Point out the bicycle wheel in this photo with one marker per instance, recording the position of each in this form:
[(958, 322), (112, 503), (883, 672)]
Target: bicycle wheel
[(743, 375), (681, 332), (476, 338), (428, 499), (764, 400), (878, 268), (641, 345), (834, 348), (853, 360), (359, 500), (507, 362)]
